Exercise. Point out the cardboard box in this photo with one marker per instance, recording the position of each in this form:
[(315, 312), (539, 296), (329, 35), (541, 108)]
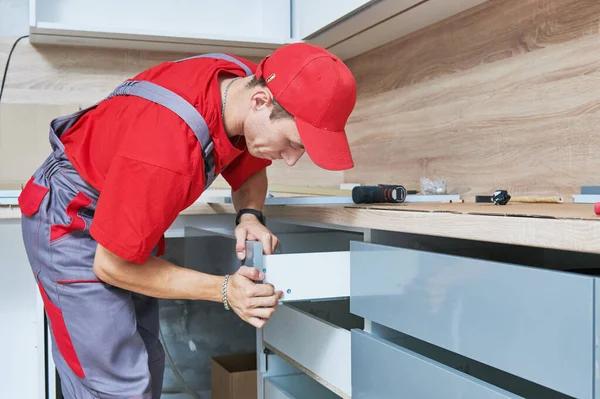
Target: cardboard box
[(234, 376)]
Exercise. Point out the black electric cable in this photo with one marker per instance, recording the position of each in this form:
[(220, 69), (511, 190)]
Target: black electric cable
[(7, 63)]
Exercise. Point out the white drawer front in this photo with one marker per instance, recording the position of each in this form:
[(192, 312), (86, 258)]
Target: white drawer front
[(318, 348), (309, 276)]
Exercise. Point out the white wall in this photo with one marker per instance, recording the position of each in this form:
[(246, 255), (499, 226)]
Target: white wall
[(14, 17)]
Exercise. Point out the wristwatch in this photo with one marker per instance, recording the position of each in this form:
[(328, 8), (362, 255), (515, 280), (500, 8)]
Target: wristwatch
[(254, 212)]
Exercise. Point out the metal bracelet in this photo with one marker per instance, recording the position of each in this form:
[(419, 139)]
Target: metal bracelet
[(224, 292)]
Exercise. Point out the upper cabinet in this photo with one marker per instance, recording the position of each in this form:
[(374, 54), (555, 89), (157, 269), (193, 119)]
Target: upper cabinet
[(248, 27), (244, 27)]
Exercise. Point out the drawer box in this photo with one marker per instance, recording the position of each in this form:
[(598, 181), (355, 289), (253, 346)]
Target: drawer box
[(533, 323), (296, 386), (389, 371), (317, 347)]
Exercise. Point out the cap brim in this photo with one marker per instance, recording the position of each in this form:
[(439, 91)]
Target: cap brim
[(327, 149)]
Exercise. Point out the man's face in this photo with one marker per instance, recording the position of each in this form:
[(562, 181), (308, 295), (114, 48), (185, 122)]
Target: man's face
[(271, 139)]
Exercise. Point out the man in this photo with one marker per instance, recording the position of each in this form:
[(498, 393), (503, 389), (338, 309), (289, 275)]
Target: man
[(121, 171)]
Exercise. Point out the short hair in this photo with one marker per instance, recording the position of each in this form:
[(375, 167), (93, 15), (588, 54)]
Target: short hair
[(278, 111)]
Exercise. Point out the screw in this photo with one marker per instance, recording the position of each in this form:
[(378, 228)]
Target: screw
[(289, 291), (264, 270)]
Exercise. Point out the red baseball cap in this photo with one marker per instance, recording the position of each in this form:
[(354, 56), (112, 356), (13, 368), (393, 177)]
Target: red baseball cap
[(318, 89)]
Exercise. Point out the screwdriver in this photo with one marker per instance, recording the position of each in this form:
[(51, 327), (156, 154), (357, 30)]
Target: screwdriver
[(381, 193)]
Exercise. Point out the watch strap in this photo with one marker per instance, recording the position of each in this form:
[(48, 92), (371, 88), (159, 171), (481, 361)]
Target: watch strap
[(254, 212)]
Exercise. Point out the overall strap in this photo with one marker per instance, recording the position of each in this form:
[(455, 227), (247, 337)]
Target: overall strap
[(222, 57), (185, 110)]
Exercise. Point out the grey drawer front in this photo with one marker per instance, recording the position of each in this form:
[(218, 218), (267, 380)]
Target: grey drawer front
[(536, 324), (383, 370)]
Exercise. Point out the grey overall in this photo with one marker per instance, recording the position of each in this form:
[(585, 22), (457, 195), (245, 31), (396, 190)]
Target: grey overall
[(105, 339)]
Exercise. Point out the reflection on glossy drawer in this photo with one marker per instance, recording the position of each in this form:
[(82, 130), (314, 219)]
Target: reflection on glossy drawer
[(536, 324), (388, 371)]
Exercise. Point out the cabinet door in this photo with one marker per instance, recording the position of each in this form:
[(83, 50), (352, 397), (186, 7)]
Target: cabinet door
[(532, 323), (247, 21), (390, 371)]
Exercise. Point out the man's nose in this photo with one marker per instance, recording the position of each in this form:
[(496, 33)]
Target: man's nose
[(292, 156)]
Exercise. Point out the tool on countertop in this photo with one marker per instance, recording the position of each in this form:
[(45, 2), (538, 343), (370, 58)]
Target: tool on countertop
[(538, 200), (381, 193), (501, 197)]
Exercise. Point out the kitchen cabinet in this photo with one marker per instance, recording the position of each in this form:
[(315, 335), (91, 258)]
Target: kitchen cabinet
[(249, 28), (509, 318), (372, 309)]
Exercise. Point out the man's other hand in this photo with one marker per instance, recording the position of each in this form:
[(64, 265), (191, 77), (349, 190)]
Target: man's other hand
[(250, 229)]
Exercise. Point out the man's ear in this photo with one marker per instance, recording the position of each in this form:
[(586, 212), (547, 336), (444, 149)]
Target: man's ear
[(261, 98)]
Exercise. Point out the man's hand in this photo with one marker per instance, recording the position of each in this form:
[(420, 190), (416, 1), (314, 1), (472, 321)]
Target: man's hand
[(253, 303), (250, 229)]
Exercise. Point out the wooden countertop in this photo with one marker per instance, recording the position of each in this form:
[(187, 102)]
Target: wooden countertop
[(572, 227)]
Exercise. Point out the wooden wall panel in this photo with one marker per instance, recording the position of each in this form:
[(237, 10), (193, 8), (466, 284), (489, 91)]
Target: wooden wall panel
[(490, 32), (70, 75), (49, 79), (24, 140), (505, 95)]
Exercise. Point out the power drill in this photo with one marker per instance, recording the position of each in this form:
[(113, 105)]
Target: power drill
[(381, 193)]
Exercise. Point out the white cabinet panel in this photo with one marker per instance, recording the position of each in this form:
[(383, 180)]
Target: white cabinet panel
[(247, 28), (318, 348), (308, 16), (21, 319), (256, 19)]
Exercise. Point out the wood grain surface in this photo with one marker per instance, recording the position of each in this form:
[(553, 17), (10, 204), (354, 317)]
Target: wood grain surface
[(70, 75), (528, 123), (24, 139), (493, 31), (501, 96), (571, 234), (569, 227), (546, 211), (43, 77)]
